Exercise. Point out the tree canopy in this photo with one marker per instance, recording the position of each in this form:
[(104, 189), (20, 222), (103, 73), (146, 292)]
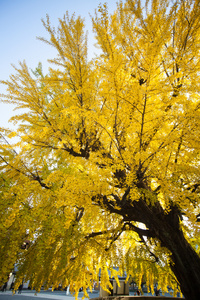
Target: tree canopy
[(104, 167)]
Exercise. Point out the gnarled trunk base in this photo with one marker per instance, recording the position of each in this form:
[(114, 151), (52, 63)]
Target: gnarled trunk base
[(185, 262)]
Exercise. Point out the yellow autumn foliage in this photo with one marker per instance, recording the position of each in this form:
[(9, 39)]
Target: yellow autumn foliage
[(104, 170)]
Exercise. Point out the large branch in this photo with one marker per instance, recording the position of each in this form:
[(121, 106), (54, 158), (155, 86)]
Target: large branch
[(137, 211), (94, 234), (140, 231)]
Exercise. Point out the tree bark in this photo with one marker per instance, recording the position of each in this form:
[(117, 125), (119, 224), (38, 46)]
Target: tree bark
[(185, 262)]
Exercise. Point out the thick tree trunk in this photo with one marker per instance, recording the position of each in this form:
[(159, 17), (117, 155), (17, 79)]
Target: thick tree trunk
[(186, 268), (185, 261)]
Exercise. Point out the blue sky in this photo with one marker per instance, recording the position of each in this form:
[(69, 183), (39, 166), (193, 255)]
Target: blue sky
[(20, 24)]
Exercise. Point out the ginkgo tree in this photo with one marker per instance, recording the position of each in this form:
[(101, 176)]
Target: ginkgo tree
[(104, 168)]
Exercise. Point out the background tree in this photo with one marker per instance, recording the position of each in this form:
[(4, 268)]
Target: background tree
[(106, 171)]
